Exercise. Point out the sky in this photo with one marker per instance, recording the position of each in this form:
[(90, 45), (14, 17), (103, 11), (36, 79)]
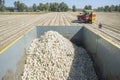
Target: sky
[(77, 3)]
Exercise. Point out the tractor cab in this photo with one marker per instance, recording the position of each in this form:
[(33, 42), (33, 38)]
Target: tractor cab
[(87, 16)]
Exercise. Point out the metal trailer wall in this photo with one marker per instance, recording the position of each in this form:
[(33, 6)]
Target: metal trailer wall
[(12, 60), (73, 33), (105, 55)]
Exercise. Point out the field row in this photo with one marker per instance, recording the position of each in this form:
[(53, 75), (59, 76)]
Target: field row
[(12, 26)]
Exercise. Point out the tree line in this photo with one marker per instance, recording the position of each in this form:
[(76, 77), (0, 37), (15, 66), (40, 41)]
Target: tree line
[(21, 7), (55, 7), (2, 6), (88, 7), (42, 7), (112, 8)]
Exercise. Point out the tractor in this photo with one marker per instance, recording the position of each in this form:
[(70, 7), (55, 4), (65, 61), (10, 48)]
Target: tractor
[(87, 16)]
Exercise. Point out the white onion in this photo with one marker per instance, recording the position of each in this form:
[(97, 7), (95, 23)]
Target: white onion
[(52, 57)]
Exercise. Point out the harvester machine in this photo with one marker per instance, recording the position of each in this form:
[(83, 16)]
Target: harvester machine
[(88, 16)]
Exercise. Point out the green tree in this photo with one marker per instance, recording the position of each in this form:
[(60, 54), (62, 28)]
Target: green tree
[(119, 7), (116, 8), (102, 9), (88, 7), (50, 7), (41, 7), (73, 8), (112, 8), (63, 7), (54, 7), (2, 7), (34, 7), (106, 9), (15, 4), (47, 6), (20, 6)]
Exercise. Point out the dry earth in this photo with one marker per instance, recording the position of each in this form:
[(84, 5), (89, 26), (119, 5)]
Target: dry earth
[(110, 19), (13, 26)]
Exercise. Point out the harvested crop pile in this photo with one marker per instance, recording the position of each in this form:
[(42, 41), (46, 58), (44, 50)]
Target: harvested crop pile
[(53, 57)]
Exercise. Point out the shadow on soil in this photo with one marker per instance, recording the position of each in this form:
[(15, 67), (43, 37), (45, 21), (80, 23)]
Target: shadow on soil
[(77, 21)]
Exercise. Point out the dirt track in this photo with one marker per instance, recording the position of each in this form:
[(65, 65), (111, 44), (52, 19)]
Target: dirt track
[(12, 26)]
